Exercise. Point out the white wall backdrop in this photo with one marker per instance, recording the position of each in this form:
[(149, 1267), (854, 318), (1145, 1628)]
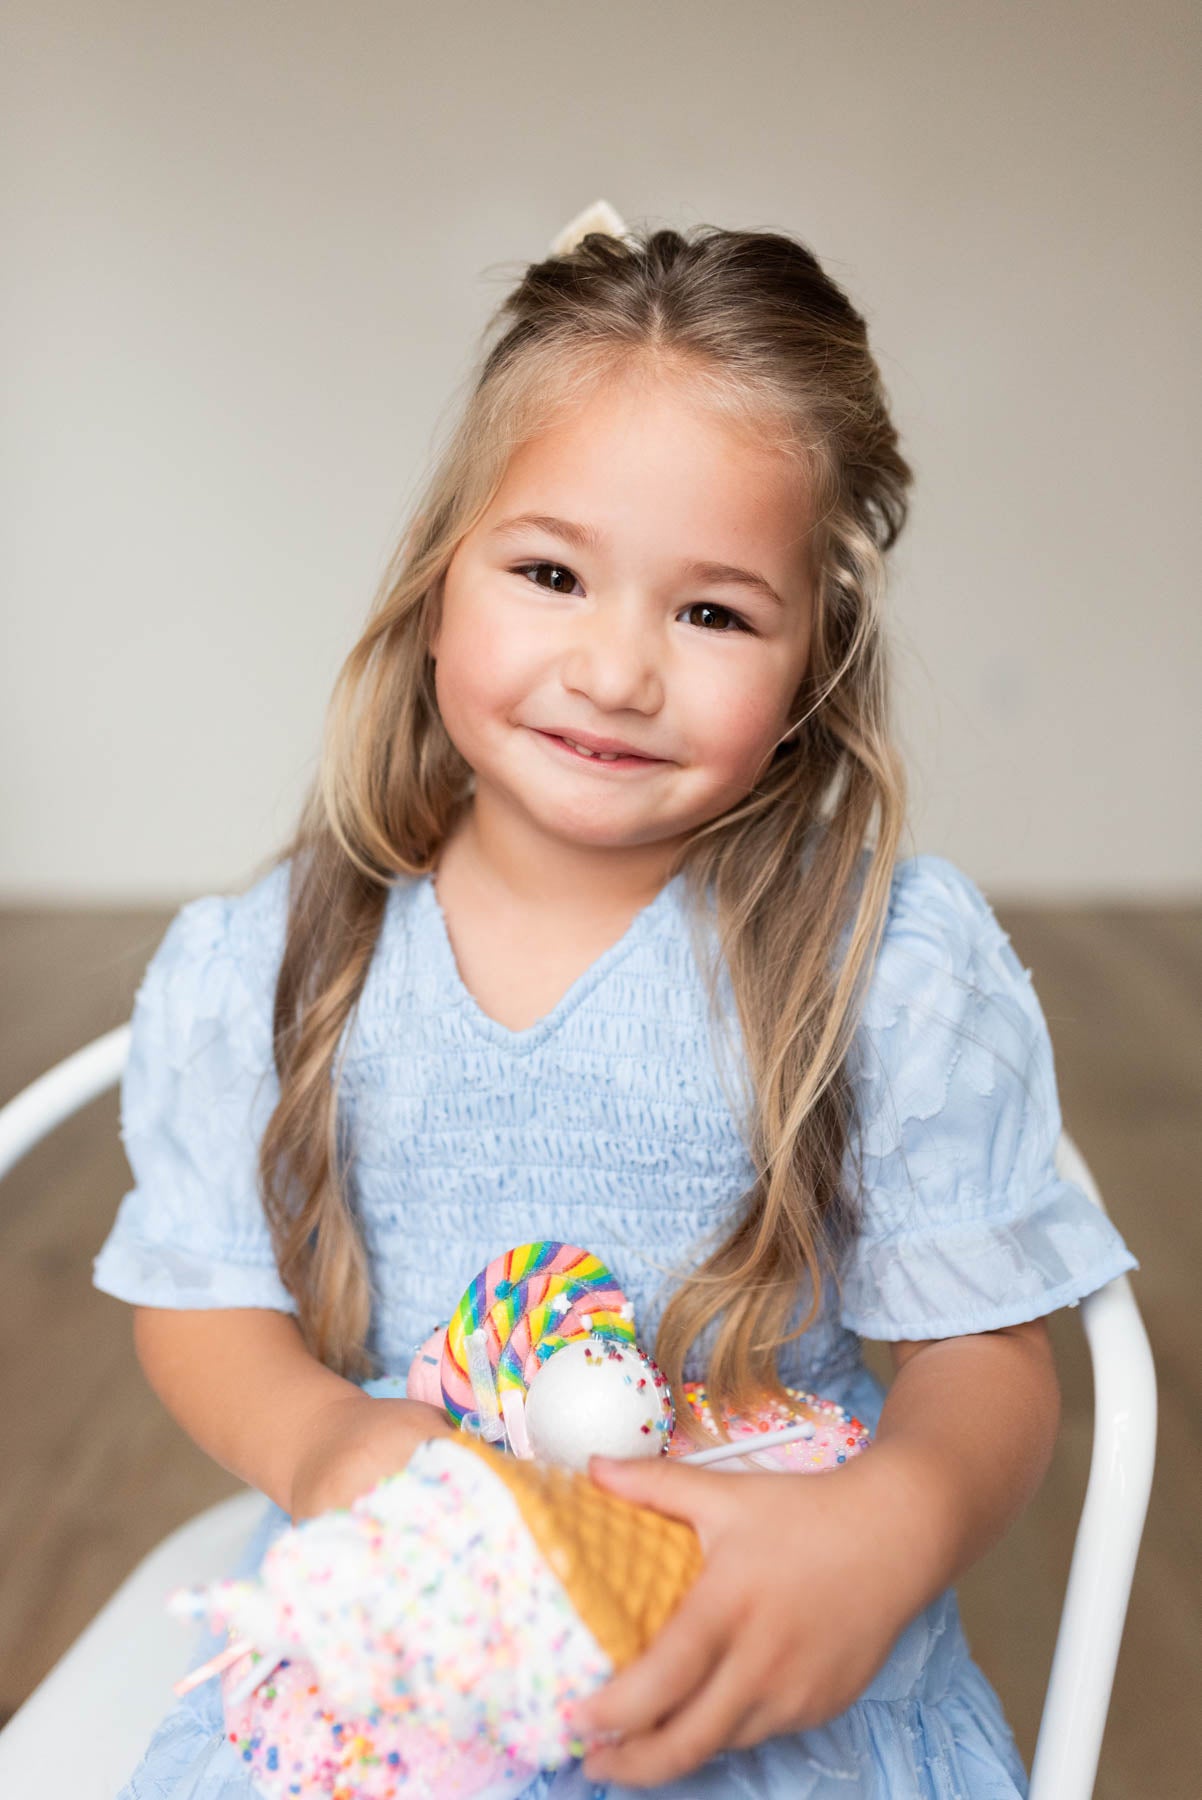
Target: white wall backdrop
[(249, 251)]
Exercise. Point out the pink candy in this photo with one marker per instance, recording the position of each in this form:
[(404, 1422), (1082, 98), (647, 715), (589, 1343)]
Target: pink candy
[(836, 1435)]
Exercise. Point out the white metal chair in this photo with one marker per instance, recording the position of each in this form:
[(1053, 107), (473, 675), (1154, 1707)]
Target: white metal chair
[(113, 1683)]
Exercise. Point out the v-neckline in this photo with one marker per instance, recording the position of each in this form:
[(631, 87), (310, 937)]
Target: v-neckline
[(531, 1035)]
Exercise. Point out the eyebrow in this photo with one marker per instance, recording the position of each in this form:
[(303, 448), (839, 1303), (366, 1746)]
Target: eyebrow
[(587, 537)]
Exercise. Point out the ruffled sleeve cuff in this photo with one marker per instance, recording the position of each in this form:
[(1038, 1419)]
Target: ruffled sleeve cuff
[(198, 1090), (982, 1274), (164, 1275)]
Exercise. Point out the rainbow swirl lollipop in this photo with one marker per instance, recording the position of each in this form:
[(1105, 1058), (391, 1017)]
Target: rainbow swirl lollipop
[(524, 1305), (483, 1307), (596, 1307)]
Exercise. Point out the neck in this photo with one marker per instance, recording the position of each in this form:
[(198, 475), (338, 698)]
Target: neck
[(504, 856)]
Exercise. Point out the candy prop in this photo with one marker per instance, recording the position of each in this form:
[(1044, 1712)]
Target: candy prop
[(424, 1381), (603, 1312), (595, 1397), (624, 1567), (598, 1309), (427, 1643), (496, 1283), (539, 1299), (294, 1744), (516, 1313), (467, 1601), (823, 1434)]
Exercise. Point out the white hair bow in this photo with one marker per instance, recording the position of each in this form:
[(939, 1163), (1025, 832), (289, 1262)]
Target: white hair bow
[(600, 216)]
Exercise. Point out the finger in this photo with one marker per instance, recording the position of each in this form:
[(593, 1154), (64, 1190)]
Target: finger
[(757, 1724), (698, 1497), (679, 1659), (705, 1724)]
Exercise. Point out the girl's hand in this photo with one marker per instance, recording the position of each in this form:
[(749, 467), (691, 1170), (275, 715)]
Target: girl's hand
[(805, 1588), (353, 1442)]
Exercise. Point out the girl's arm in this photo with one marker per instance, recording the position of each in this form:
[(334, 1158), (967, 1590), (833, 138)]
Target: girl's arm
[(810, 1578), (243, 1385), (967, 1433)]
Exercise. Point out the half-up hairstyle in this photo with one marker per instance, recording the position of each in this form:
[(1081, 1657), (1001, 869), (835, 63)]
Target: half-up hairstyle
[(794, 879)]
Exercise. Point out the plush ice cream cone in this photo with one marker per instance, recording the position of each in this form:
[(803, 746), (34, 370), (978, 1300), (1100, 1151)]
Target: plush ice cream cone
[(625, 1567)]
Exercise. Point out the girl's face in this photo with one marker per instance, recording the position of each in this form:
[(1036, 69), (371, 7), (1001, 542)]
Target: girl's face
[(599, 597)]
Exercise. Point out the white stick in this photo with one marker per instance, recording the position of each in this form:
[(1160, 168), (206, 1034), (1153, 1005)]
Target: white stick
[(253, 1678), (214, 1666), (513, 1409), (747, 1447), (484, 1387)]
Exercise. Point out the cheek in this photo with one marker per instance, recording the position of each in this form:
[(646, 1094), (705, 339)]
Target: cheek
[(481, 659), (731, 729)]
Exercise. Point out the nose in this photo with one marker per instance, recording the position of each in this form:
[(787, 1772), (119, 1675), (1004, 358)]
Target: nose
[(612, 657)]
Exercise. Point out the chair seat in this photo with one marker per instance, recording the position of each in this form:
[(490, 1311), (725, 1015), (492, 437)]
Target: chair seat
[(81, 1732)]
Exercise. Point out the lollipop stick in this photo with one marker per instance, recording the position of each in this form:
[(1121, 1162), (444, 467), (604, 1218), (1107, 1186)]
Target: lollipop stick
[(746, 1447), (253, 1678), (214, 1666), (513, 1408), (484, 1387)]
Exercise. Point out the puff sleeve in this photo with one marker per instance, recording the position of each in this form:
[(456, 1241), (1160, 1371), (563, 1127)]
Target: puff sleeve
[(965, 1224), (198, 1089)]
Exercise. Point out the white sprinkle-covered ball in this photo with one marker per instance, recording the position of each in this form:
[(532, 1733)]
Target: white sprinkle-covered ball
[(597, 1396)]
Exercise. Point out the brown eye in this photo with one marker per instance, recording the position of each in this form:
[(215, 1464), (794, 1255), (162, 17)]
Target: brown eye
[(711, 606), (532, 572), (558, 569)]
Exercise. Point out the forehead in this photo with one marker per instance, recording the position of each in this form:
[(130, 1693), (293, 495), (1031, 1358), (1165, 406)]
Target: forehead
[(655, 472)]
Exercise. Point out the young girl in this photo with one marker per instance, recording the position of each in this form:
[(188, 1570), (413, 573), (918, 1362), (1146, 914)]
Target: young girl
[(594, 928)]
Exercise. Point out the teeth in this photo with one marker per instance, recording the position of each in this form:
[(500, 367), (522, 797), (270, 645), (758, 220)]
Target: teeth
[(601, 755)]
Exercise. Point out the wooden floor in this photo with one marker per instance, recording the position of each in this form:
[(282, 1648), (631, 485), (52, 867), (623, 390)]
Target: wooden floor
[(95, 1473)]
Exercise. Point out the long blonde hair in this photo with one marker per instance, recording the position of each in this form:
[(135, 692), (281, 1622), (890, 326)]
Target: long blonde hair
[(753, 325)]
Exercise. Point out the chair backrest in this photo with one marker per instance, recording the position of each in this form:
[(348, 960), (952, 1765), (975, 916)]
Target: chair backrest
[(1108, 1535), (61, 1091), (1120, 1473)]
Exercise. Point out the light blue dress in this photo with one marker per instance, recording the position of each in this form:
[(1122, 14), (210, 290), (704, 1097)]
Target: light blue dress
[(609, 1124)]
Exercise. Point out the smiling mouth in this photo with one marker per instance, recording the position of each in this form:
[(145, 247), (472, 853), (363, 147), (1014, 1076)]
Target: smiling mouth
[(607, 760)]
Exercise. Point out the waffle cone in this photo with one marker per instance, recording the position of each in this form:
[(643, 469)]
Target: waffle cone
[(625, 1567)]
